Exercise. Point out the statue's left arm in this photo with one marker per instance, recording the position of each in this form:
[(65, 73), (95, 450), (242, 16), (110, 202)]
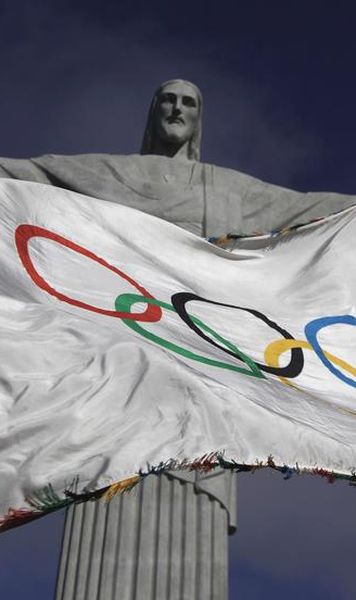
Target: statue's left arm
[(254, 206)]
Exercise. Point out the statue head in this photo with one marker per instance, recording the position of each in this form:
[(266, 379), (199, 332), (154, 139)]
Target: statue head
[(174, 123)]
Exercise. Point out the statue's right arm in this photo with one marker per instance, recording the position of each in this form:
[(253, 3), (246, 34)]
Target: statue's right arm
[(22, 168)]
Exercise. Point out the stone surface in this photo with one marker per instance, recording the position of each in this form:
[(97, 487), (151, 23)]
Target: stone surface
[(163, 540)]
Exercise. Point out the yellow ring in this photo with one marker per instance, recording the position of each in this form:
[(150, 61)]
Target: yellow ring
[(275, 349)]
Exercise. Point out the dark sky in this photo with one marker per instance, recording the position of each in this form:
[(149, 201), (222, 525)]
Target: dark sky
[(278, 79)]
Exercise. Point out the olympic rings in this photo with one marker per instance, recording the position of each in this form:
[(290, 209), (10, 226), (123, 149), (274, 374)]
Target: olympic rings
[(153, 313), (23, 235), (297, 361), (125, 301), (275, 349)]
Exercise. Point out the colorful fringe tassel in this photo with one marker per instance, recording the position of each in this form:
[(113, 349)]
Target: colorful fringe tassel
[(47, 500)]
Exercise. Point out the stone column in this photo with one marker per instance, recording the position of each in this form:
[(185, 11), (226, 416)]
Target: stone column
[(164, 540)]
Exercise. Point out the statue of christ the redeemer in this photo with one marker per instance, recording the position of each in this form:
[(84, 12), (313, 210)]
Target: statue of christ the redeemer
[(167, 538)]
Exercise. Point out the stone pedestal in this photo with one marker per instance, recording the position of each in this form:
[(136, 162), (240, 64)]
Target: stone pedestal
[(164, 540)]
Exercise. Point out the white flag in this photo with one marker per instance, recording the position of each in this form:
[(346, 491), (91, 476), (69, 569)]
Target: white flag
[(129, 344)]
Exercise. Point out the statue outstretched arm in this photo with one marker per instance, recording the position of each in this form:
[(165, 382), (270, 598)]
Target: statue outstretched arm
[(22, 168)]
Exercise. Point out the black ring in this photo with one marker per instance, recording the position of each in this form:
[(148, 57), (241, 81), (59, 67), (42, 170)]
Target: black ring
[(296, 364)]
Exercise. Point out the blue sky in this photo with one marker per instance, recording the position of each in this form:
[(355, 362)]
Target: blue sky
[(278, 80)]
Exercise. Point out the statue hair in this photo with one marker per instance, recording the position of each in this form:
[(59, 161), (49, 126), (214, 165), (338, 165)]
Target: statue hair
[(148, 143)]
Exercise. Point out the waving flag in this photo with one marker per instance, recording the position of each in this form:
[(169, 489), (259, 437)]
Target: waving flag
[(128, 344)]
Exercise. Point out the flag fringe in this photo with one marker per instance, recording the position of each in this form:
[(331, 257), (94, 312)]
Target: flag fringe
[(47, 500), (120, 487)]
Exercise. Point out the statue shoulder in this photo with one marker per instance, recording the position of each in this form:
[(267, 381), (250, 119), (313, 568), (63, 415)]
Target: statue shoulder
[(130, 166)]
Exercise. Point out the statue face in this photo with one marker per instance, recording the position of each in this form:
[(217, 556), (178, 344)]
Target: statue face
[(177, 114)]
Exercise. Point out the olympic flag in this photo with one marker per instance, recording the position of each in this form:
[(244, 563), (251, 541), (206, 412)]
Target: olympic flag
[(128, 344)]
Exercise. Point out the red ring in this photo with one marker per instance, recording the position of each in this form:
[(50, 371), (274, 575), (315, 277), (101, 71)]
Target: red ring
[(23, 235)]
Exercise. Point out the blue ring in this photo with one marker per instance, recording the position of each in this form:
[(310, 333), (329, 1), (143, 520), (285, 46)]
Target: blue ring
[(311, 330)]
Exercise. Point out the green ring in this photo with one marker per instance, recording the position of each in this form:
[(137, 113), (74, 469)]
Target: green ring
[(124, 302)]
